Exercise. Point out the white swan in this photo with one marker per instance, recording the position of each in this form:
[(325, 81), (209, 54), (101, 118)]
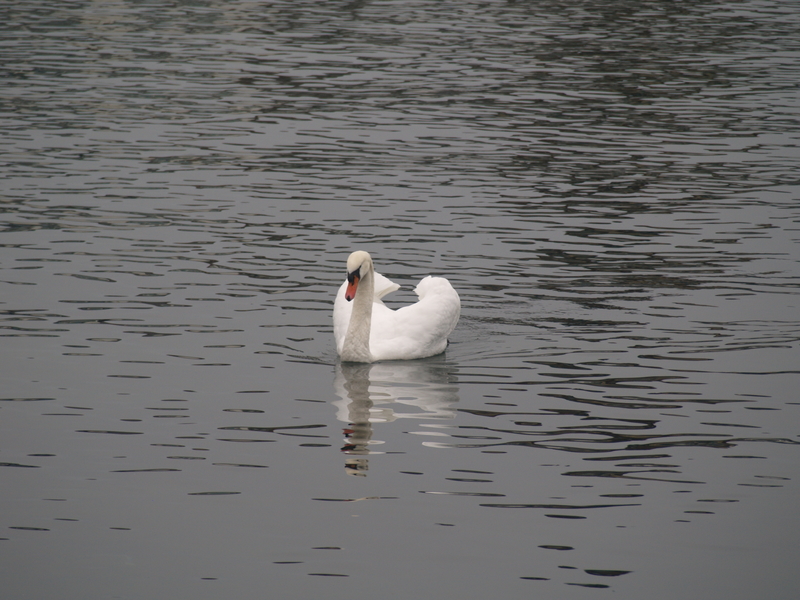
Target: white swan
[(366, 330)]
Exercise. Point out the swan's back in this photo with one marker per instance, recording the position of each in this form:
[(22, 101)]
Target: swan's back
[(418, 330)]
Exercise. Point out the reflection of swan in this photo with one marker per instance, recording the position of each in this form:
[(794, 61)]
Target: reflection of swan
[(366, 330), (380, 393)]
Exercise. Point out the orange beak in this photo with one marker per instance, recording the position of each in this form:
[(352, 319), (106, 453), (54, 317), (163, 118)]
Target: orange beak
[(352, 286)]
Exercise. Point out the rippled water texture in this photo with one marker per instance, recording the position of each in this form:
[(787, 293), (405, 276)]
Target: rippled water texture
[(612, 187)]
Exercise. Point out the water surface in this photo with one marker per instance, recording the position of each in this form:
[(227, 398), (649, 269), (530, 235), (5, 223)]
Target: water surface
[(611, 187)]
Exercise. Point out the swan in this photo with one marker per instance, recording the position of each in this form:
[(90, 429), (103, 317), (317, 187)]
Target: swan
[(366, 330)]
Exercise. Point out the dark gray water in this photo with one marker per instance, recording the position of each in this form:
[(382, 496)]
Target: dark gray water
[(612, 187)]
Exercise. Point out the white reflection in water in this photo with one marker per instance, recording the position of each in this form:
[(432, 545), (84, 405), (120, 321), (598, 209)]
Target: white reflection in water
[(384, 392)]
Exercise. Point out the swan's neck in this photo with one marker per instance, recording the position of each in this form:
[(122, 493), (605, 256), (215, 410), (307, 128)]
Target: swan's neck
[(356, 341)]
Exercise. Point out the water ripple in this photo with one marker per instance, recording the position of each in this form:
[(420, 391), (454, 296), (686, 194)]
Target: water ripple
[(611, 187)]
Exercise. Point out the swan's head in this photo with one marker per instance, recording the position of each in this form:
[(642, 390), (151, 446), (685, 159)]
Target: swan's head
[(359, 264)]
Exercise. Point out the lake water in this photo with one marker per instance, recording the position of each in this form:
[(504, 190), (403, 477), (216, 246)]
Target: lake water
[(612, 188)]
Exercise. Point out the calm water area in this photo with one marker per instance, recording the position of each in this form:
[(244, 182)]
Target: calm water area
[(613, 187)]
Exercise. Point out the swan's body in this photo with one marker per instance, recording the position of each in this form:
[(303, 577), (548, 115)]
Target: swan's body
[(366, 330)]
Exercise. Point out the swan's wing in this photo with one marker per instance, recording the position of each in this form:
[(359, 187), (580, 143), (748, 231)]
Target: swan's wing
[(417, 330), (383, 286), (439, 303)]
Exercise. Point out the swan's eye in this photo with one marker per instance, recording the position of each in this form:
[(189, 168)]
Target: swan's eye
[(351, 277)]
